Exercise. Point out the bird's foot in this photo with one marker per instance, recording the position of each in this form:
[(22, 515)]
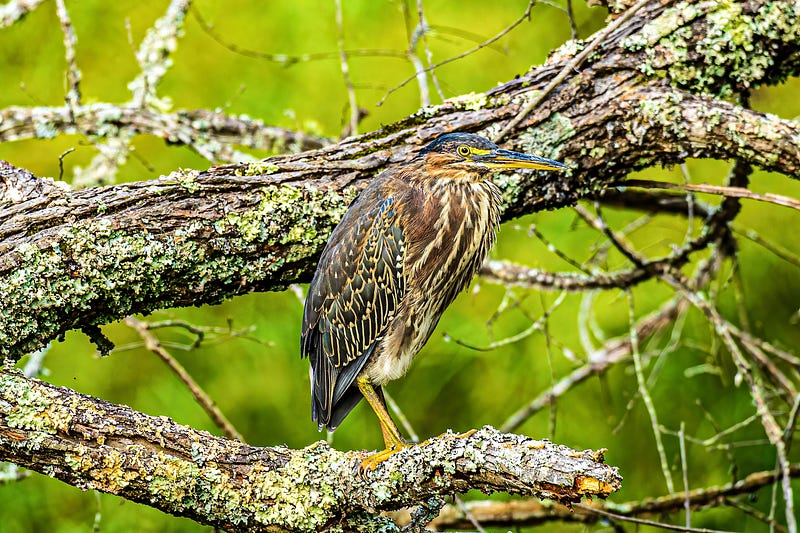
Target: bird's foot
[(371, 462)]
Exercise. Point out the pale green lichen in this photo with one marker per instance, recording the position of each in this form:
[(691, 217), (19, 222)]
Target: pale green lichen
[(32, 410), (289, 215), (186, 179), (96, 261), (597, 152), (299, 498), (566, 51), (428, 111), (471, 101), (733, 50), (547, 138), (257, 168), (510, 185)]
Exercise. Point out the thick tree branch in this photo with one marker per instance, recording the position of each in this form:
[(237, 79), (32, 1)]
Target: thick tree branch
[(94, 444)]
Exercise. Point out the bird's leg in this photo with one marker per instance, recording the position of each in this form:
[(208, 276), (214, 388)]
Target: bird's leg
[(391, 435)]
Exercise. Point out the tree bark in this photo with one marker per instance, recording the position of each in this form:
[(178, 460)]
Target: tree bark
[(93, 444)]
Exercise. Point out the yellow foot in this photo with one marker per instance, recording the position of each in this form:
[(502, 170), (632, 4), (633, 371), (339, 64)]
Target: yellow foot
[(372, 462)]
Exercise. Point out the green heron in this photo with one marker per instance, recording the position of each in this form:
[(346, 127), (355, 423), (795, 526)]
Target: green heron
[(410, 242)]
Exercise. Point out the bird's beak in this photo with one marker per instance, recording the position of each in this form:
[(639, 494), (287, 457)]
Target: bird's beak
[(507, 159)]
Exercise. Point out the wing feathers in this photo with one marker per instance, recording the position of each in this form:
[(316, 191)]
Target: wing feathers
[(352, 300)]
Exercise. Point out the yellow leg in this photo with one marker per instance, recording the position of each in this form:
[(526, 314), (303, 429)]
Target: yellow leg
[(391, 435)]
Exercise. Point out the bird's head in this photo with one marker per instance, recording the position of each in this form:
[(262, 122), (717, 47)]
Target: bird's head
[(464, 155)]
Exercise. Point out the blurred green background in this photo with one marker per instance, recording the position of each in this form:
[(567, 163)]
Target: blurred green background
[(256, 376)]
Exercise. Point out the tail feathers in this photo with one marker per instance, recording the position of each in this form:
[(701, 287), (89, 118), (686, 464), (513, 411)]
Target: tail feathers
[(339, 410)]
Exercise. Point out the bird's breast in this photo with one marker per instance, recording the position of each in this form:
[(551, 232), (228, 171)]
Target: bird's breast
[(447, 239)]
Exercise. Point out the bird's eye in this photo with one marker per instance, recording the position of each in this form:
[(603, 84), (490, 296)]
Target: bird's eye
[(463, 150)]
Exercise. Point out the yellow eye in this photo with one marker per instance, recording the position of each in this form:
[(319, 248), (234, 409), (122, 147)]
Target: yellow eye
[(463, 150)]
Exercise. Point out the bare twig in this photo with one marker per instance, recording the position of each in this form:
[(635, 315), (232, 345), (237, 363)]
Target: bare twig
[(205, 401), (644, 393), (770, 424), (423, 24), (729, 192), (73, 94), (651, 523), (14, 10), (525, 16), (351, 93), (286, 60), (568, 69), (530, 512), (613, 352)]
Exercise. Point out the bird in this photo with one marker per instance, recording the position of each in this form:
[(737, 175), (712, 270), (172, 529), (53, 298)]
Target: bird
[(409, 243)]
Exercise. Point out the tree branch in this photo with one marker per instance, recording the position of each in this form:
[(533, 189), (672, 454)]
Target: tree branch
[(209, 133), (519, 513), (94, 444)]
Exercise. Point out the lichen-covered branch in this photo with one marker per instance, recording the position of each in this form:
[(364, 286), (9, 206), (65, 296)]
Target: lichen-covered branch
[(94, 444), (211, 134), (12, 11)]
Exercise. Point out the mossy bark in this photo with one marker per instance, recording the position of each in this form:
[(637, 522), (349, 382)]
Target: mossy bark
[(93, 444)]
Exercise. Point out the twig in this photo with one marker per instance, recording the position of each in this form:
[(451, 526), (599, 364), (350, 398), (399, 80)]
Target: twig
[(532, 229), (537, 325), (208, 405), (154, 55), (15, 10), (507, 514), (73, 94), (573, 28), (428, 54), (758, 515), (526, 15), (653, 201), (214, 142), (778, 251), (613, 352), (644, 393), (286, 60), (568, 69), (685, 472), (401, 417), (771, 427), (659, 525), (351, 93), (729, 192)]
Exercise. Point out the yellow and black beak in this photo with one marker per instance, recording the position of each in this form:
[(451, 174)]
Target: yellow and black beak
[(500, 158)]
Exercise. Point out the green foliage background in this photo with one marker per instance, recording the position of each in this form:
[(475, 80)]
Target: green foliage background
[(258, 379)]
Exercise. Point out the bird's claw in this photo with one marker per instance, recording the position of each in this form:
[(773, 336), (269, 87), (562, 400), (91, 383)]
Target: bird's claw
[(371, 462)]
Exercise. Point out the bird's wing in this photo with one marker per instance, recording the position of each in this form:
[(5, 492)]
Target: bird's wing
[(352, 299)]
